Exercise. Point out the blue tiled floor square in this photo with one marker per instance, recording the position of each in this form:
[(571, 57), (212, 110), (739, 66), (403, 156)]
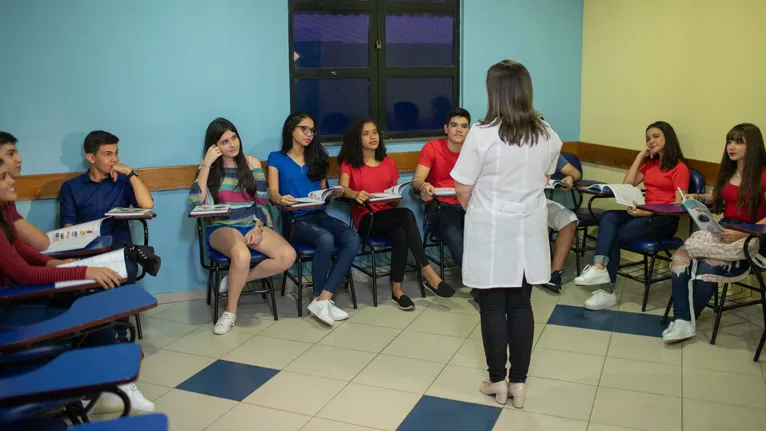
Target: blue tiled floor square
[(230, 380), (578, 317), (639, 324), (439, 414)]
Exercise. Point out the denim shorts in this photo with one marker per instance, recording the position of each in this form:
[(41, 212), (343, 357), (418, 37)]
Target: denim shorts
[(241, 229)]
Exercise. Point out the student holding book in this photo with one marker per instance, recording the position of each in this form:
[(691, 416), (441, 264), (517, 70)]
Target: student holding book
[(365, 169), (107, 184), (660, 166), (739, 195), (299, 168), (228, 176), (21, 264), (562, 220), (437, 159), (28, 233)]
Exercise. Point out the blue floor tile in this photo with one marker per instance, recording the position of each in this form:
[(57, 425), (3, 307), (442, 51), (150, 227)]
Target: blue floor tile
[(639, 324), (579, 317), (230, 380), (439, 414)]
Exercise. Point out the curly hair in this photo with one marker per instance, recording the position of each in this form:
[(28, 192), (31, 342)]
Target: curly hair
[(351, 151)]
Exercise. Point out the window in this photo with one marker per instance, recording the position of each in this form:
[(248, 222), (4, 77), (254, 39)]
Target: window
[(394, 61)]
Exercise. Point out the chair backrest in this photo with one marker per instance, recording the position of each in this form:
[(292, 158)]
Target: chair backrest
[(696, 182), (573, 160)]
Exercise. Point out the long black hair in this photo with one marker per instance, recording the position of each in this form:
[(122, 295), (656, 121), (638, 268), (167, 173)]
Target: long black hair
[(351, 151), (4, 224), (245, 182), (315, 155), (672, 153), (749, 195), (509, 104)]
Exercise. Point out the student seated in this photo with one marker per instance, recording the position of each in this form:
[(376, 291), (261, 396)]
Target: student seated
[(660, 166), (108, 184), (28, 233), (21, 264), (299, 168), (228, 176), (437, 159), (739, 194), (365, 169), (564, 222)]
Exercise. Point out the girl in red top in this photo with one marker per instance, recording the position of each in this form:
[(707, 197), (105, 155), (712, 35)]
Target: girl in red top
[(739, 194), (660, 166), (365, 170)]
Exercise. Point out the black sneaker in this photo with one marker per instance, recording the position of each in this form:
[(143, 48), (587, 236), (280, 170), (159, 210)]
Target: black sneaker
[(443, 290), (554, 285), (144, 256), (404, 302)]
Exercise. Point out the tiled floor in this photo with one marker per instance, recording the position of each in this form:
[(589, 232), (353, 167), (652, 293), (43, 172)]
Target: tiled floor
[(387, 369)]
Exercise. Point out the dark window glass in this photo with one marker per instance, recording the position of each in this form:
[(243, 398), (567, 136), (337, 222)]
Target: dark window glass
[(334, 102), (419, 40), (417, 103), (427, 1), (331, 39)]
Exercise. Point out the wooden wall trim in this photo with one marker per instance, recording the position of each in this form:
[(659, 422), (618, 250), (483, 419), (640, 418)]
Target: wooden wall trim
[(47, 186)]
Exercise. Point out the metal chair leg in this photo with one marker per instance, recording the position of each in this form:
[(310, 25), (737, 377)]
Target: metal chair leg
[(272, 293), (139, 331), (374, 280), (300, 289), (667, 310), (648, 280), (719, 313), (216, 294), (284, 282), (352, 288)]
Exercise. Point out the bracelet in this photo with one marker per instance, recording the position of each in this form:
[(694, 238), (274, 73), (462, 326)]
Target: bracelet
[(202, 165)]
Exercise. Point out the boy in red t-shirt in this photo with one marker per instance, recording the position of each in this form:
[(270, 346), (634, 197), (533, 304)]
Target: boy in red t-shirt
[(27, 232), (437, 158)]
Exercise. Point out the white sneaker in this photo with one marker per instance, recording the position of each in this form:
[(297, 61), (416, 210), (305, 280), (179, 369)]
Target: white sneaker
[(321, 310), (137, 399), (225, 323), (600, 300), (678, 330), (592, 276), (336, 313), (224, 285)]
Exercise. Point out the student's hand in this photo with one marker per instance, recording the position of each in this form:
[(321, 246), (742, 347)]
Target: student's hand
[(213, 153), (119, 168), (287, 201), (103, 276), (646, 152), (362, 197), (569, 180), (635, 212), (729, 235), (427, 192), (255, 236)]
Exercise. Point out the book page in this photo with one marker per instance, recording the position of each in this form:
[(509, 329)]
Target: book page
[(701, 216), (377, 197), (625, 194), (444, 192), (211, 209), (73, 237), (114, 260), (126, 211)]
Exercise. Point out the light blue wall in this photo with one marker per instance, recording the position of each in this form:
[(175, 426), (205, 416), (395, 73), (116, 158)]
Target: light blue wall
[(156, 72)]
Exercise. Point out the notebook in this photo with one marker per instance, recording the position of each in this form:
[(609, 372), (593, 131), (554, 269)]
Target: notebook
[(114, 260), (73, 237)]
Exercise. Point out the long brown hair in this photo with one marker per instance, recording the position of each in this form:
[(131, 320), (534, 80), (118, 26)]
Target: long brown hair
[(672, 154), (4, 224), (245, 180), (749, 195), (509, 104)]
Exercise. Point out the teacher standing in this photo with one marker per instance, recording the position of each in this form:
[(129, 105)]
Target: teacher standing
[(500, 176)]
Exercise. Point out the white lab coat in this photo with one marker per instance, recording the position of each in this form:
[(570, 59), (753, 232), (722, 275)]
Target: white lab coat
[(506, 230)]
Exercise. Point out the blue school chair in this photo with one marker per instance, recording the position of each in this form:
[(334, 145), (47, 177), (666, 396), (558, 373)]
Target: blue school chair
[(215, 263), (653, 249), (305, 254)]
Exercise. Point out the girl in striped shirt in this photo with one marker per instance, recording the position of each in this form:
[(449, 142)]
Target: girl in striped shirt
[(228, 176)]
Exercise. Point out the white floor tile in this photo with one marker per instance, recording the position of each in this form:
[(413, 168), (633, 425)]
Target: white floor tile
[(369, 406)]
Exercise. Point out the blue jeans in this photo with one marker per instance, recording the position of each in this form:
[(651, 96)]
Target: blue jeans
[(617, 229), (322, 231), (449, 228)]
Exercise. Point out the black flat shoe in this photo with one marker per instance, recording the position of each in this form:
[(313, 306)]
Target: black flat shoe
[(404, 302), (443, 290), (144, 256)]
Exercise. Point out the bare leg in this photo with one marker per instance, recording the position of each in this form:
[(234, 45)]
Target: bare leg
[(563, 245), (231, 243), (279, 252)]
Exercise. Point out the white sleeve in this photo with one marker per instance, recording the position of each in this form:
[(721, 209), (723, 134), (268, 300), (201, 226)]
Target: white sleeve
[(468, 165), (555, 144)]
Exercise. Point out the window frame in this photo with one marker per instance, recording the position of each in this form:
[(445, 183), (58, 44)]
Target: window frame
[(377, 72)]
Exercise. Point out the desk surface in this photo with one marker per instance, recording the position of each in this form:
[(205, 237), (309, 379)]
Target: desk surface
[(98, 245), (17, 293), (86, 312), (147, 216), (758, 230), (150, 422), (663, 209), (211, 214), (594, 193), (107, 367), (300, 208)]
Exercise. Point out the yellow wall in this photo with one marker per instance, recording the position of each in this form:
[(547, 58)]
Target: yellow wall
[(698, 64)]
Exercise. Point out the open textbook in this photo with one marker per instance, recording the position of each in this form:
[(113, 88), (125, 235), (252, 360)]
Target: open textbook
[(217, 209), (552, 184), (317, 197), (391, 192), (127, 212), (73, 237), (114, 260), (700, 214), (444, 192), (624, 194)]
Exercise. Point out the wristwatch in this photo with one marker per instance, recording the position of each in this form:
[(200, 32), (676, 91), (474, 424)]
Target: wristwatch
[(132, 173)]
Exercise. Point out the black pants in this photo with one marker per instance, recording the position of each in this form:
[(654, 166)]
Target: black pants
[(400, 224), (449, 228), (506, 320)]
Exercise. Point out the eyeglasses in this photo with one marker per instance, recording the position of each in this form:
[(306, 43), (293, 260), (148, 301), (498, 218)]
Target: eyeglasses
[(307, 130)]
